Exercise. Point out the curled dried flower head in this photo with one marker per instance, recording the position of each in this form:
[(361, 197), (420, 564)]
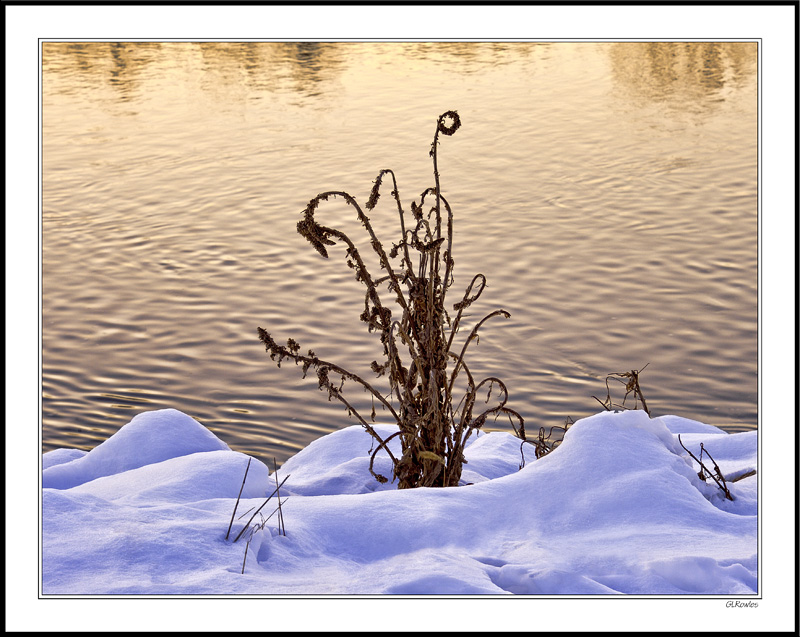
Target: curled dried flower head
[(444, 129)]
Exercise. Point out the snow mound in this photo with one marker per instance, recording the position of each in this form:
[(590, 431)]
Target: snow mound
[(339, 463), (150, 437), (617, 508), (494, 455), (676, 425), (197, 476), (60, 456)]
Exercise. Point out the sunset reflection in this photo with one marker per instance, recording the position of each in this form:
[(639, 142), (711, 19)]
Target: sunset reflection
[(606, 190), (684, 73)]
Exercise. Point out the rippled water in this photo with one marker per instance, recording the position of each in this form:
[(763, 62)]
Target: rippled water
[(608, 191)]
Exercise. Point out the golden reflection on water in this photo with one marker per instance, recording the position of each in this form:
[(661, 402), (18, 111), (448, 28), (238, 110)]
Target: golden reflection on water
[(122, 65), (687, 74), (607, 190), (683, 72), (252, 65), (302, 65)]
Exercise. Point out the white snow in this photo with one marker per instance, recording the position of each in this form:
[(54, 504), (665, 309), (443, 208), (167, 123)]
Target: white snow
[(617, 508)]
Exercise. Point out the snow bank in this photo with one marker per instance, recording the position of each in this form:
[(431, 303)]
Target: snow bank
[(617, 508), (150, 437)]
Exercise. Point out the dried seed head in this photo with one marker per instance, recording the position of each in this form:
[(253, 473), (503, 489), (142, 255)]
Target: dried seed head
[(449, 130), (293, 346), (374, 195)]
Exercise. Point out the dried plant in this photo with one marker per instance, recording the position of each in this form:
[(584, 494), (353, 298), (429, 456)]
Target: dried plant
[(258, 510), (543, 444), (419, 357), (252, 530), (249, 530), (631, 382), (239, 497), (705, 473)]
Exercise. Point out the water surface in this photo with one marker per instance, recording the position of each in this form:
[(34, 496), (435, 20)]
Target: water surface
[(608, 191)]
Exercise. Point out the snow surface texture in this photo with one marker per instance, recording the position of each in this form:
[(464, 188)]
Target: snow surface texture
[(617, 508)]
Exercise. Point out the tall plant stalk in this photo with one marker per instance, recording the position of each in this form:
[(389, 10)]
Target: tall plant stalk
[(419, 357)]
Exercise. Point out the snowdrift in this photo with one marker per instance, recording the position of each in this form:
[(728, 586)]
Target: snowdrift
[(617, 508)]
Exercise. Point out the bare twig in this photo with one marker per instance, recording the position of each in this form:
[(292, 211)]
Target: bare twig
[(746, 474), (259, 508), (281, 527), (541, 445), (631, 383), (238, 497), (244, 561), (704, 473)]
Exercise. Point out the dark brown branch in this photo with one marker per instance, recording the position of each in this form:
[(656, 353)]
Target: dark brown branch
[(259, 508), (238, 498), (704, 472)]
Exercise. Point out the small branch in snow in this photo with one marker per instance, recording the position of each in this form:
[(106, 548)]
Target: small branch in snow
[(631, 387), (281, 526), (716, 476), (238, 498), (259, 508), (541, 445), (735, 478)]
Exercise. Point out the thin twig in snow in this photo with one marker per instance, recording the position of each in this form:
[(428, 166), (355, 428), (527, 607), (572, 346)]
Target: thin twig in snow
[(237, 498)]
